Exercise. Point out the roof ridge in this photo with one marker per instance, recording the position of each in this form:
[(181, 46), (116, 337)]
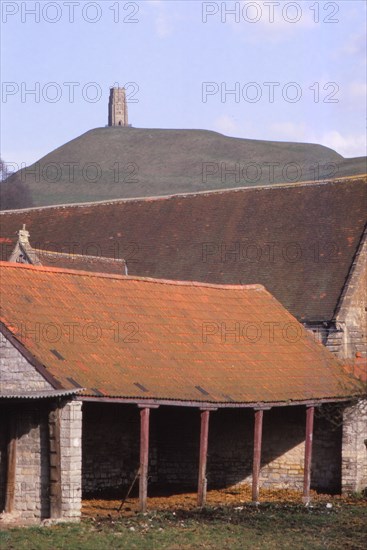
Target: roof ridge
[(273, 186), (40, 250), (75, 272)]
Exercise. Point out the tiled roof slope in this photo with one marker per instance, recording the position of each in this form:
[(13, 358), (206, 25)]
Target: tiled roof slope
[(150, 339), (297, 240), (24, 253), (358, 368), (80, 262)]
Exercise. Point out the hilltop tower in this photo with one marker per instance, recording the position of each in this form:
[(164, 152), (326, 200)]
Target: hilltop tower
[(117, 108)]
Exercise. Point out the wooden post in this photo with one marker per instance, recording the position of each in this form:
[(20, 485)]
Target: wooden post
[(202, 482), (11, 465), (258, 429), (54, 429), (144, 457), (310, 413)]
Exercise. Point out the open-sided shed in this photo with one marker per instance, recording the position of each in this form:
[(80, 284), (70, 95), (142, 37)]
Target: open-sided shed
[(76, 343)]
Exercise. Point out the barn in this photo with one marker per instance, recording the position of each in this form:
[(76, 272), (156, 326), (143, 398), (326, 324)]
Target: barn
[(106, 377)]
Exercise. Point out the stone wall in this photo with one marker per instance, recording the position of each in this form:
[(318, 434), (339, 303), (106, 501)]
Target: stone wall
[(354, 455), (32, 478), (71, 459), (177, 438), (351, 317), (109, 462), (346, 335), (16, 374), (3, 458), (31, 420), (32, 466)]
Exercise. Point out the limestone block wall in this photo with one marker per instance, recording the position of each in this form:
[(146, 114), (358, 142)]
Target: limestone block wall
[(110, 446), (346, 335), (16, 374), (327, 445), (354, 452), (71, 459), (3, 459), (32, 465), (351, 317), (31, 419), (32, 473)]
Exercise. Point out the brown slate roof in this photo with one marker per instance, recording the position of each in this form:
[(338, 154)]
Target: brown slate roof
[(298, 240), (139, 339), (25, 253), (79, 262)]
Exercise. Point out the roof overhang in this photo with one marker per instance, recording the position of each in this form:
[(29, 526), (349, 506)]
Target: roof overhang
[(48, 394), (154, 403)]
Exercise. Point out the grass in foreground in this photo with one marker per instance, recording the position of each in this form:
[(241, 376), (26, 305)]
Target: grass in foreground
[(269, 526)]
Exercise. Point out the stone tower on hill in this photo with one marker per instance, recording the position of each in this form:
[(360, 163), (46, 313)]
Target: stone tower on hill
[(117, 108)]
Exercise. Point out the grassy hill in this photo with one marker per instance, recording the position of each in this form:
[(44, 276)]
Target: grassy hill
[(114, 162)]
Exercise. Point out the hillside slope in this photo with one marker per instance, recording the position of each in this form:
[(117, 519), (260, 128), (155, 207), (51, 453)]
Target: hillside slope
[(114, 162)]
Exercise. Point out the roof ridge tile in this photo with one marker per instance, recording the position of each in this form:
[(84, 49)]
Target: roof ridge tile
[(75, 272)]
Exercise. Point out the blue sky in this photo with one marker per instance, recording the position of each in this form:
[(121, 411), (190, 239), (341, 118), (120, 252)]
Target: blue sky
[(183, 58)]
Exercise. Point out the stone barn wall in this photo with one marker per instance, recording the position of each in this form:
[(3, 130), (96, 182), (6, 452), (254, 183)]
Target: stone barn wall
[(354, 457), (349, 335), (32, 477), (16, 374), (32, 464), (110, 446), (3, 459), (30, 418)]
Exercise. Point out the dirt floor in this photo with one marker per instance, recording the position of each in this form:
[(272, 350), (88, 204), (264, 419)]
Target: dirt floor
[(234, 496)]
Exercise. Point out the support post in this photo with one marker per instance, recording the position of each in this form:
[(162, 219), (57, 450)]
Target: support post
[(54, 429), (310, 413), (11, 466), (144, 458), (204, 433), (258, 429)]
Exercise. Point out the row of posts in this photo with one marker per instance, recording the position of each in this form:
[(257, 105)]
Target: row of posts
[(204, 436)]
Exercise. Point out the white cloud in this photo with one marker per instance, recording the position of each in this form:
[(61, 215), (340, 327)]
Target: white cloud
[(163, 22), (357, 90), (348, 145), (354, 45), (226, 125), (163, 25), (289, 131)]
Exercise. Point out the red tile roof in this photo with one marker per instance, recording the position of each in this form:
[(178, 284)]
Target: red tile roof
[(141, 339), (358, 368), (298, 240)]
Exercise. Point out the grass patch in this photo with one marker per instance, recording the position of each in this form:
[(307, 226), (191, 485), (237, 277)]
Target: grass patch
[(269, 526)]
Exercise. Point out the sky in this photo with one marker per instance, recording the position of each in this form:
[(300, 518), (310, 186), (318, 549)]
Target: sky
[(276, 70)]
